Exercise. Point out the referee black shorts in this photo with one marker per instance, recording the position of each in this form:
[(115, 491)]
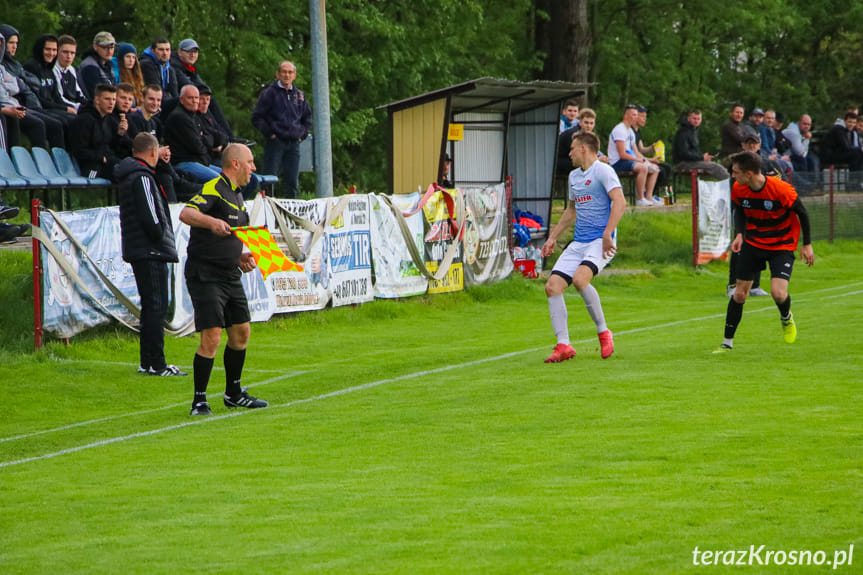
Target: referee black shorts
[(751, 261), (217, 295)]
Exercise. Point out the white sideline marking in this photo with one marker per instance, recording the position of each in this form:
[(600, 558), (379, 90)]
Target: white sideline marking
[(131, 413), (135, 365), (372, 384)]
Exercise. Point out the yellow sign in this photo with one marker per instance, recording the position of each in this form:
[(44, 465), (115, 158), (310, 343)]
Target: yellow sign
[(456, 132)]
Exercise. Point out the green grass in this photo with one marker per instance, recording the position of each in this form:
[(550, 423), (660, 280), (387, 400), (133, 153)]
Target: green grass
[(464, 452)]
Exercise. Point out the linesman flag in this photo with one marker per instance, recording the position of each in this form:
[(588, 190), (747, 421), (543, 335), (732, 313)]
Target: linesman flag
[(264, 249)]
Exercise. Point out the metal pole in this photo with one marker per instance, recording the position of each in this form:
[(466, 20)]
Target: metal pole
[(321, 88)]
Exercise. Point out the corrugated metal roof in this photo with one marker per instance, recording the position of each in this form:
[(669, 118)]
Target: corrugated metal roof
[(493, 94)]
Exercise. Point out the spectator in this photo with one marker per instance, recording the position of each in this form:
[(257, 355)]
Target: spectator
[(623, 155), (147, 117), (9, 232), (569, 117), (15, 101), (783, 145), (96, 67), (65, 73), (130, 70), (156, 68), (284, 117), (148, 245), (799, 136), (731, 133), (756, 120), (445, 180), (839, 145), (768, 143), (686, 152), (664, 169), (586, 122), (91, 134), (183, 63), (213, 131), (42, 68), (120, 122), (184, 133), (752, 143)]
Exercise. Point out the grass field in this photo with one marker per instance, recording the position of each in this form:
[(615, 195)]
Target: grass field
[(428, 436)]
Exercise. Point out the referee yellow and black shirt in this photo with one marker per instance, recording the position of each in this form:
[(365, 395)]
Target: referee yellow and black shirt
[(220, 199)]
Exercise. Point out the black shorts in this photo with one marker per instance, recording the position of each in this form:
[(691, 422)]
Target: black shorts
[(217, 295), (751, 261)]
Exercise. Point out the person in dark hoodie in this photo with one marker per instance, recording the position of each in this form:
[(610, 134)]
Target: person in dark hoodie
[(96, 67), (686, 151), (19, 104), (149, 246), (183, 63), (41, 65), (156, 68), (91, 134)]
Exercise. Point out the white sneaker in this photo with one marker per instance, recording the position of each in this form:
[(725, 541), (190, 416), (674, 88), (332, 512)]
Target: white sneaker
[(758, 292), (658, 201), (644, 203)]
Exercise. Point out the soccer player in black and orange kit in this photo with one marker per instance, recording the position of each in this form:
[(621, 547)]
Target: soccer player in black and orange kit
[(773, 218)]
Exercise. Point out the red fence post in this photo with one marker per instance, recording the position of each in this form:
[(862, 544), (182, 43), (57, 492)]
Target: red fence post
[(37, 276), (694, 218)]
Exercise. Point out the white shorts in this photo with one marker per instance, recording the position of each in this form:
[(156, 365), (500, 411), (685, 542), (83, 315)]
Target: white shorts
[(577, 253)]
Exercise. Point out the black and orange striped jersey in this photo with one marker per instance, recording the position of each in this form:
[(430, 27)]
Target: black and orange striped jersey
[(770, 222)]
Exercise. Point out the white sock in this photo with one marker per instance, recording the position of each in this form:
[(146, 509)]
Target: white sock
[(557, 311), (728, 342), (594, 307)]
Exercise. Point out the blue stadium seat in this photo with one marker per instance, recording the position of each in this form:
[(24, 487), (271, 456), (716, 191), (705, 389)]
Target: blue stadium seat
[(67, 167), (47, 168), (24, 164), (11, 177), (267, 179)]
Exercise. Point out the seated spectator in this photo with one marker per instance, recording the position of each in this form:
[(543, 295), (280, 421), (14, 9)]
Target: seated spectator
[(664, 169), (156, 68), (120, 121), (147, 117), (625, 157), (752, 143), (96, 67), (10, 232), (42, 67), (22, 110), (731, 133), (839, 145), (65, 73), (569, 116), (130, 70), (92, 133), (768, 143), (686, 151), (587, 122), (214, 135), (782, 144), (799, 136), (755, 121)]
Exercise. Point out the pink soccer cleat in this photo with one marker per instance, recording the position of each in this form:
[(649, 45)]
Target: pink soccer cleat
[(562, 352), (606, 344)]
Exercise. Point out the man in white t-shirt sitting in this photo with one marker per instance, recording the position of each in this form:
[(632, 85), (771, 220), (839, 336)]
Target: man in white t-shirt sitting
[(623, 155), (596, 204)]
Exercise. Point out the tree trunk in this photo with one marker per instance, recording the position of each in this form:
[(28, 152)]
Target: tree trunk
[(566, 39)]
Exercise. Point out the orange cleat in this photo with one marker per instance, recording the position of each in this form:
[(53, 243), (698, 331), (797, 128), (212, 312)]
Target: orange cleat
[(562, 352), (606, 344)]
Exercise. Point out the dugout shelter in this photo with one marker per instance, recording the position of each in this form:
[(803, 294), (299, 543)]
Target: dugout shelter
[(493, 129)]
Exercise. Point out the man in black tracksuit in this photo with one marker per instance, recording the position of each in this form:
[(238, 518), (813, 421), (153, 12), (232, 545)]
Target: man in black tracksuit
[(148, 244), (92, 135)]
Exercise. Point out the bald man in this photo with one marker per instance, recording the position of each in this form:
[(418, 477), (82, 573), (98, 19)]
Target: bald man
[(215, 264), (284, 117)]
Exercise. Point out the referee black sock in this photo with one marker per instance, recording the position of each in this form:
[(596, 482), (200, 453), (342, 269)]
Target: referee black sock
[(202, 367), (785, 308), (234, 360), (732, 317)]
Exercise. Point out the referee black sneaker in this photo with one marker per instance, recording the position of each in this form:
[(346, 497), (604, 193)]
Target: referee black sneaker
[(201, 408), (244, 400), (7, 212)]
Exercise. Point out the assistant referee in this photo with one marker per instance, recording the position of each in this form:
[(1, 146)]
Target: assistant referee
[(215, 264)]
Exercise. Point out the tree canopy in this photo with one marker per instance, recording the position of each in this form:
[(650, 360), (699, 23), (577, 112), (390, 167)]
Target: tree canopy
[(791, 55)]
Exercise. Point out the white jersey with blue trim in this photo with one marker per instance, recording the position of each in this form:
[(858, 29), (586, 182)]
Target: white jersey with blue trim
[(588, 192)]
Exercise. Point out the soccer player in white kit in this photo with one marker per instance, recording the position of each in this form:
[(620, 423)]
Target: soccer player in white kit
[(596, 204)]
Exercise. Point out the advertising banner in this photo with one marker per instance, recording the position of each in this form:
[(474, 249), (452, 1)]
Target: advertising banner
[(308, 289), (440, 230), (395, 273), (349, 251), (486, 238), (67, 309), (714, 219)]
